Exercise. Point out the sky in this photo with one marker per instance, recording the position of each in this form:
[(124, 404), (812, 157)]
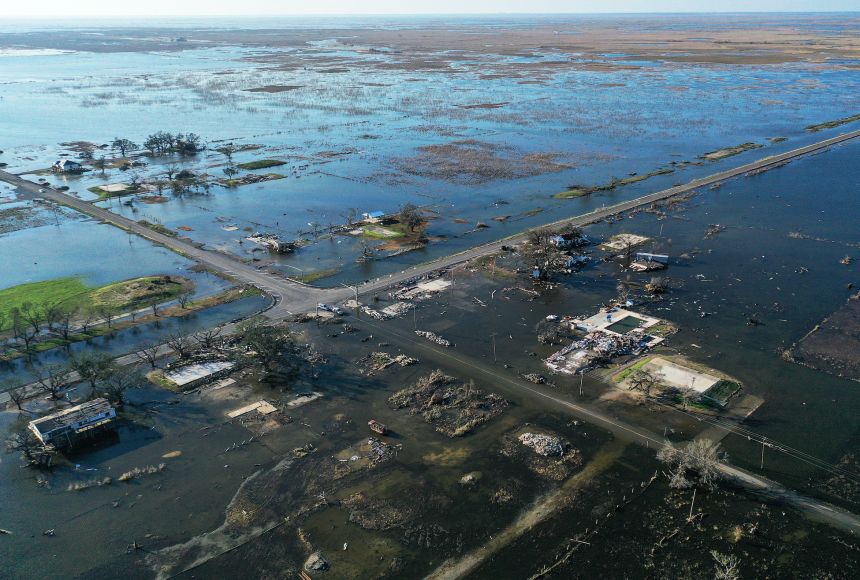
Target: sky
[(155, 8)]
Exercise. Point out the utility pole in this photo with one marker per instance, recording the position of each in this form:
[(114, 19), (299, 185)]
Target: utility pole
[(493, 335), (762, 454), (355, 291), (581, 378)]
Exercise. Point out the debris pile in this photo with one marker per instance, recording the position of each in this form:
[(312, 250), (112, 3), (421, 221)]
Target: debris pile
[(543, 444), (597, 348), (379, 450), (379, 361), (316, 563), (433, 338), (545, 454), (452, 407), (272, 242)]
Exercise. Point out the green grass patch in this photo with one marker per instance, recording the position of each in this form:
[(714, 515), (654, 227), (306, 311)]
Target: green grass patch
[(619, 378), (730, 151), (311, 277), (722, 391), (832, 124), (107, 195), (379, 232), (262, 164), (59, 290), (74, 293), (160, 228)]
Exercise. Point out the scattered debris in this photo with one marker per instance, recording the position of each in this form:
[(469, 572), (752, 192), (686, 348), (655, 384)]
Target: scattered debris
[(139, 471), (452, 407), (433, 338)]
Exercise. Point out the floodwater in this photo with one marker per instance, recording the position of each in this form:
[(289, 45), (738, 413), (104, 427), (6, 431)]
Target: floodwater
[(351, 129), (612, 122)]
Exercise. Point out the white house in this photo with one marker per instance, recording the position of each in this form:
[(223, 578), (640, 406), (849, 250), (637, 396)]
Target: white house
[(67, 166)]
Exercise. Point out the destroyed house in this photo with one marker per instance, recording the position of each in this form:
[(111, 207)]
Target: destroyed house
[(565, 241), (66, 427)]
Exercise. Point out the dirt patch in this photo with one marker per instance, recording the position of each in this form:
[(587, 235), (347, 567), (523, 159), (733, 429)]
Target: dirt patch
[(153, 199)]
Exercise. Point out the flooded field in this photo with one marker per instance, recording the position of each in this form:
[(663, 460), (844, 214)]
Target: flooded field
[(469, 133), (344, 444)]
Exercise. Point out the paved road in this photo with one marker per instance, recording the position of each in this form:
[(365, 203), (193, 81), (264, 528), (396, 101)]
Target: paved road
[(504, 380), (292, 297)]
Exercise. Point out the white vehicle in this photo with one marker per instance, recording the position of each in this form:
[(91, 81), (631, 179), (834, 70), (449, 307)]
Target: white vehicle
[(337, 310), (324, 306), (41, 191)]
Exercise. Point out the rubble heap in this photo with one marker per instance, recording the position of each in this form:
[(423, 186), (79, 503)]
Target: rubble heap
[(543, 444), (454, 408)]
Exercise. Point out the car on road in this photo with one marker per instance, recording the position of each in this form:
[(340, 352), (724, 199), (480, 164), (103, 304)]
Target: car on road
[(337, 310), (41, 191), (324, 306)]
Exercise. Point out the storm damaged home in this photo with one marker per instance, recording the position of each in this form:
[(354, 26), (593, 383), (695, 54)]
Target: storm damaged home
[(67, 166), (608, 334), (67, 428), (272, 242)]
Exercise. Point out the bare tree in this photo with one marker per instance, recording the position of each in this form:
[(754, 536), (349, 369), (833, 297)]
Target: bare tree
[(148, 354), (123, 145), (351, 215), (726, 566), (695, 465), (33, 315), (183, 298), (86, 319), (208, 338), (267, 342), (644, 381), (64, 322), (410, 216), (52, 312), (21, 330), (18, 395), (24, 442), (115, 384), (180, 344), (101, 163), (53, 378), (93, 367), (106, 313)]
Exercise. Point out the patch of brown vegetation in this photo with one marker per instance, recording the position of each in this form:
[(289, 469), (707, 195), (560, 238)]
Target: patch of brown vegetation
[(470, 161), (274, 89)]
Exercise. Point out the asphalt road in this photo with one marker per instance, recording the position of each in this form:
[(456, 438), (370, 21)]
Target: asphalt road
[(291, 297)]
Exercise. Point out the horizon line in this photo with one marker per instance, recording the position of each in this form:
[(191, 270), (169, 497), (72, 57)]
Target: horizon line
[(395, 14)]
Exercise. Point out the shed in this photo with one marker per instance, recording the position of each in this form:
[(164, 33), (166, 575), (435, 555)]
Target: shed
[(66, 427)]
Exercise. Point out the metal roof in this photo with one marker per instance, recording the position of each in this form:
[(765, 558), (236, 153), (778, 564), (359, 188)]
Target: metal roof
[(71, 415)]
